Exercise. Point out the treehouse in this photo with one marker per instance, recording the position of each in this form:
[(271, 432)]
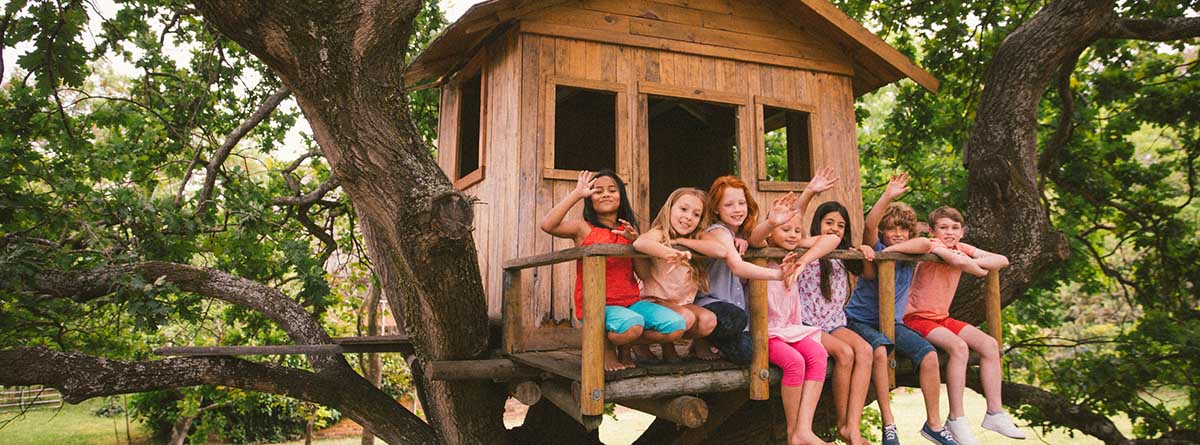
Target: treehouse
[(667, 93)]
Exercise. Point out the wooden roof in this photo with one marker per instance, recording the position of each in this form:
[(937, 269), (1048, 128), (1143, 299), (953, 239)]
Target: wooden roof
[(875, 63)]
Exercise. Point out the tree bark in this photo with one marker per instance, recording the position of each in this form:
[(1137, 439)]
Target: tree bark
[(341, 59), (1005, 210)]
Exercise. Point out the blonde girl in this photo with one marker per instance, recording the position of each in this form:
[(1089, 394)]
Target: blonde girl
[(670, 278)]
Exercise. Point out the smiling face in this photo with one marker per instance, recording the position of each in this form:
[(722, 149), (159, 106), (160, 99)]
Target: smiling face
[(606, 197), (789, 234), (732, 207), (832, 223), (894, 235), (946, 230), (686, 212)]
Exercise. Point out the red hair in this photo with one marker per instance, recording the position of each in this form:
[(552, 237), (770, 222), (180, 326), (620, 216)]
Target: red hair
[(717, 192)]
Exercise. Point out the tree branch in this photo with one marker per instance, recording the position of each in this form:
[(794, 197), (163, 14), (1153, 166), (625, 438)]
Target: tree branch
[(1155, 30), (214, 164), (1059, 411), (310, 198), (80, 377)]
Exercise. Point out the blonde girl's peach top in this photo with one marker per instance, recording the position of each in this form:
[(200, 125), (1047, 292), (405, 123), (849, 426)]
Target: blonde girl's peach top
[(785, 317), (671, 285)]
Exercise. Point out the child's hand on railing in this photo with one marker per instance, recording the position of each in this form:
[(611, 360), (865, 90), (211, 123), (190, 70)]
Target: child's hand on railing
[(626, 230), (867, 251), (741, 245), (677, 258)]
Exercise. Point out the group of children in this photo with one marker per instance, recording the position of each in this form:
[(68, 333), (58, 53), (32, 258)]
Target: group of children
[(812, 312)]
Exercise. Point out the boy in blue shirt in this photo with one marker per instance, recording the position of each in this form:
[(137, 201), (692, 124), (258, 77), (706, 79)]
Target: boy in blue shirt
[(892, 227)]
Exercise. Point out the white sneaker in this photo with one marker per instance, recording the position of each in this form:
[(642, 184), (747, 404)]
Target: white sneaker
[(1001, 423), (961, 429)]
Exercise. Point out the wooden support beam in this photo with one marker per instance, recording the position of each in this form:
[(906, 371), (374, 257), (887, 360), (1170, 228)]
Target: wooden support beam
[(887, 310), (722, 406), (688, 411), (526, 392), (560, 395), (493, 369), (760, 388), (991, 301), (654, 386), (592, 381), (514, 312)]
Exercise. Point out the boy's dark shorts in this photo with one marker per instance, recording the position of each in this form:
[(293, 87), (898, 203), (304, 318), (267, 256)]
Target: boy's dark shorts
[(730, 335), (909, 344)]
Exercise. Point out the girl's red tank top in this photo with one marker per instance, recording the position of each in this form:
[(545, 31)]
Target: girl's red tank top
[(620, 287)]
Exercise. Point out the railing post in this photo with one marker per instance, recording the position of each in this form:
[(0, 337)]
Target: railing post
[(887, 311), (591, 398), (760, 384), (991, 301), (514, 312)]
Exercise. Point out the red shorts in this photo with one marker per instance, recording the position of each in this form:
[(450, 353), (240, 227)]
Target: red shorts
[(924, 326)]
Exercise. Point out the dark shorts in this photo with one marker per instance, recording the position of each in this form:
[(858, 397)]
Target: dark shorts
[(731, 319), (909, 344), (730, 335)]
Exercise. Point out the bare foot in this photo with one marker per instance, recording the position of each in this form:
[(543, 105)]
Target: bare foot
[(669, 354), (703, 350), (807, 439), (625, 356), (611, 363), (851, 437)]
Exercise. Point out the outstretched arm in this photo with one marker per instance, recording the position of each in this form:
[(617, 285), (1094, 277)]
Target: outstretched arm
[(553, 222), (787, 207), (649, 244), (959, 260), (706, 245), (897, 186)]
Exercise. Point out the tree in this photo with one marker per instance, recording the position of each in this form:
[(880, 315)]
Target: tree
[(114, 246)]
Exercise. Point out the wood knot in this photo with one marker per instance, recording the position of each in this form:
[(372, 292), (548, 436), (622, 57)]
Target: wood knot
[(451, 215)]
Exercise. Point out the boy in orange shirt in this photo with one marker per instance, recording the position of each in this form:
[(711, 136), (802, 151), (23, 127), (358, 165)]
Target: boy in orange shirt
[(928, 313)]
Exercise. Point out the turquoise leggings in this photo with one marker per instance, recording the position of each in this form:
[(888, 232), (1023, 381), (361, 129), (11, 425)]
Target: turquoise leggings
[(643, 313)]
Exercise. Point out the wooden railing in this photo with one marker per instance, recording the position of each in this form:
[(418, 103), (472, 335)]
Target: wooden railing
[(591, 394)]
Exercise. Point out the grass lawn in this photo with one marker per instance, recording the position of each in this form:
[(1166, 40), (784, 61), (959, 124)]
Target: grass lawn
[(73, 424)]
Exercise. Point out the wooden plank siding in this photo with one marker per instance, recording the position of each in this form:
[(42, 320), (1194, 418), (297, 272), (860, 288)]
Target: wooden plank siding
[(519, 75)]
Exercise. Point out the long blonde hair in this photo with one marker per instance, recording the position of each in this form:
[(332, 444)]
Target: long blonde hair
[(662, 223)]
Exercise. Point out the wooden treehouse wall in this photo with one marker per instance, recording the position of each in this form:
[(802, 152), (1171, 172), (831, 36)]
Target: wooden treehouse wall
[(736, 53)]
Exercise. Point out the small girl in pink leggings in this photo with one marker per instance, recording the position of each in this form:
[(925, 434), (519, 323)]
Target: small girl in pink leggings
[(792, 345)]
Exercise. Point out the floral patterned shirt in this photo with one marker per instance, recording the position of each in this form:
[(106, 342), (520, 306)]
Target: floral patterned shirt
[(825, 314)]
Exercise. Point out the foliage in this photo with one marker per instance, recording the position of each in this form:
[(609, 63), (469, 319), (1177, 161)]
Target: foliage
[(1114, 327), (107, 127)]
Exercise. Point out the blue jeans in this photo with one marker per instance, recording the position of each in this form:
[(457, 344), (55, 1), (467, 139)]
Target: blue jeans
[(908, 342)]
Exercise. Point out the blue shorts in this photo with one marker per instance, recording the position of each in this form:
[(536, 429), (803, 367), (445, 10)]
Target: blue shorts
[(908, 342), (645, 314)]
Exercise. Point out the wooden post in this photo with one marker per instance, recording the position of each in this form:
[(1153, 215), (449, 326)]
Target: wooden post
[(514, 311), (560, 395), (591, 401), (991, 301), (760, 385), (688, 411), (887, 311)]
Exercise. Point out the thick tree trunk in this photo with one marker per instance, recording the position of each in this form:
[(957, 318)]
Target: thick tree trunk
[(342, 62), (1005, 210)]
